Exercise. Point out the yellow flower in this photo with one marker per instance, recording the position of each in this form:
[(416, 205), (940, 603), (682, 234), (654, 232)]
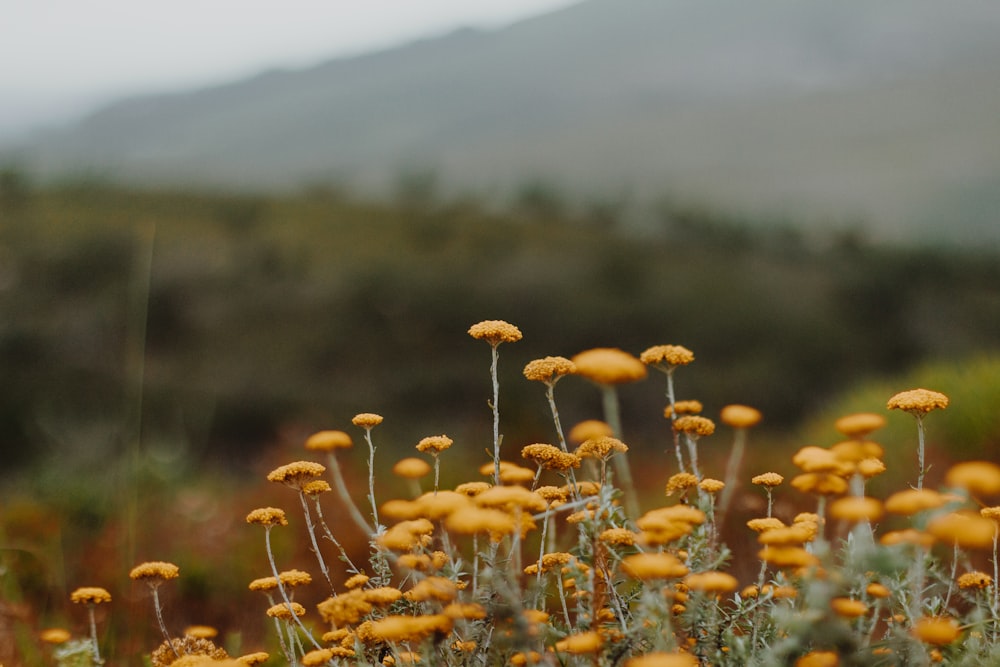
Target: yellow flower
[(601, 448), (977, 477), (327, 441), (668, 356), (709, 485), (974, 580), (848, 607), (711, 582), (910, 501), (936, 630), (264, 584), (201, 631), (859, 425), (787, 556), (296, 474), (795, 535), (681, 481), (282, 610), (316, 487), (918, 401), (550, 457), (694, 426), (818, 659), (764, 524), (549, 369), (587, 429), (55, 636), (356, 581), (663, 660), (522, 658), (607, 365), (409, 628), (821, 484), (646, 566), (618, 536), (856, 509), (434, 444), (877, 590), (366, 420), (907, 536), (868, 468), (411, 468), (495, 332), (683, 408), (510, 498), (965, 529), (90, 595), (470, 611), (439, 589), (268, 516), (472, 489), (473, 520), (154, 571), (581, 643), (740, 416), (768, 479), (318, 657), (254, 658), (295, 578), (817, 459)]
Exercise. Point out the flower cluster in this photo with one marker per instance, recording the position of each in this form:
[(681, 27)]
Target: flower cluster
[(548, 560)]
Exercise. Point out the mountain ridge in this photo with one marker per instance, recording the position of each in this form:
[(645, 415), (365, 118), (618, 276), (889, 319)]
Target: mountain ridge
[(831, 110)]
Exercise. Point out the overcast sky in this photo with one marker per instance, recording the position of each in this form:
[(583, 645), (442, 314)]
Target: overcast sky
[(76, 51)]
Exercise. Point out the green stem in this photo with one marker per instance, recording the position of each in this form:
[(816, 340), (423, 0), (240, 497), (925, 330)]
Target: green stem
[(612, 416)]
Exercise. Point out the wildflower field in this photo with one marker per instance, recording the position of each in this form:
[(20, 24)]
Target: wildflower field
[(549, 553), (177, 364)]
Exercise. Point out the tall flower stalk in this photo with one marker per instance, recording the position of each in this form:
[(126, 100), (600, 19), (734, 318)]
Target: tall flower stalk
[(495, 332)]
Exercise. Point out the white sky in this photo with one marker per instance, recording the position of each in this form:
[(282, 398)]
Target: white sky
[(53, 50)]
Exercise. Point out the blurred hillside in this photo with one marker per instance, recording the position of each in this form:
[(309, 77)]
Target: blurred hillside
[(883, 114), (252, 320)]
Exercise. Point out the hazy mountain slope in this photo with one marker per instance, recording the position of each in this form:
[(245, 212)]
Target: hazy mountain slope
[(825, 108)]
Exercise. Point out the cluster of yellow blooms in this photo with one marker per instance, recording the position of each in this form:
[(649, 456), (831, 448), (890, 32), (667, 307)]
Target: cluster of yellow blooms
[(517, 571)]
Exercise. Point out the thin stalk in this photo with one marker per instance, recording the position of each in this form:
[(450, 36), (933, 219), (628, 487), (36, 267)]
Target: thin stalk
[(732, 471), (93, 635), (159, 619), (673, 417), (495, 406), (345, 496), (996, 585), (692, 445), (311, 529), (612, 415), (920, 451), (329, 536), (371, 475), (281, 587)]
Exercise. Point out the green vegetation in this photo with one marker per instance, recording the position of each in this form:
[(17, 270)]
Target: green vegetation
[(160, 349)]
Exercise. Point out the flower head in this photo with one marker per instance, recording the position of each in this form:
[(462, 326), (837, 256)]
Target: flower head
[(683, 408), (434, 444), (589, 428), (550, 457), (154, 572), (601, 448), (296, 474), (268, 516), (859, 425), (608, 366), (411, 468), (918, 401), (495, 332), (366, 420), (667, 356), (549, 369), (936, 630), (740, 416), (974, 580), (327, 441), (694, 426), (90, 595), (769, 479), (978, 477)]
